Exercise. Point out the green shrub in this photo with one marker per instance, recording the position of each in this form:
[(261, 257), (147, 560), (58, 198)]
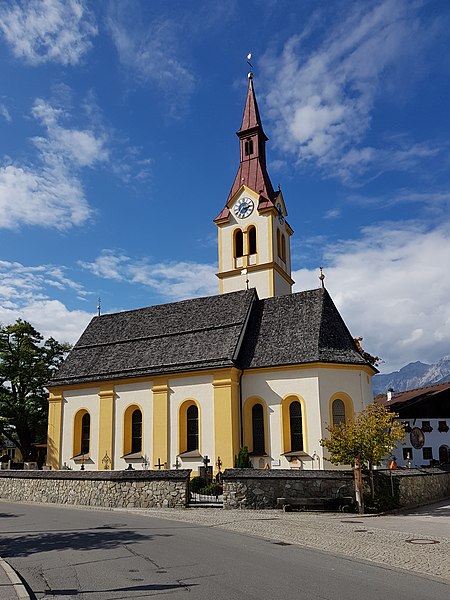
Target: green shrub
[(384, 500), (213, 489), (197, 483), (242, 460)]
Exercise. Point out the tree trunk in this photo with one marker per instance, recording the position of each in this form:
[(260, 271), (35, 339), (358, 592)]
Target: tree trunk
[(358, 485), (372, 484)]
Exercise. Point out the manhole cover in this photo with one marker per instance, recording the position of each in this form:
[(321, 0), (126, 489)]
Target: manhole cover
[(422, 541)]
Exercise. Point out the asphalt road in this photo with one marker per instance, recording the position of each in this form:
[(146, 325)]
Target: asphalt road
[(97, 555)]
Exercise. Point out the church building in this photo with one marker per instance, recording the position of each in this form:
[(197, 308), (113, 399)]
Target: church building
[(190, 383)]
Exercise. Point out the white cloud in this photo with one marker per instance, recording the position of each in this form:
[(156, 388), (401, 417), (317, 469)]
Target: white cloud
[(322, 102), (82, 147), (152, 53), (51, 318), (41, 31), (24, 294), (46, 197), (108, 265), (391, 288), (4, 112), (170, 280), (433, 205), (49, 193), (333, 213)]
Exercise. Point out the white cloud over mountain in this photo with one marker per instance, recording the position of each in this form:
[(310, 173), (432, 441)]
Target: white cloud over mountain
[(391, 288)]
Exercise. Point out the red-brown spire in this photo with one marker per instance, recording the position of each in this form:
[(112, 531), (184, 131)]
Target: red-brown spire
[(252, 170), (251, 116)]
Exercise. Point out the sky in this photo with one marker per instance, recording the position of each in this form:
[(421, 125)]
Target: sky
[(118, 149)]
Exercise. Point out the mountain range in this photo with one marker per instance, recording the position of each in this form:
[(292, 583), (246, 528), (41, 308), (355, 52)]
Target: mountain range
[(413, 375)]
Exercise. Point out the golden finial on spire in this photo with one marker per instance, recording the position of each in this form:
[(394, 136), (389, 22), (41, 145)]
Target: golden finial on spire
[(322, 277)]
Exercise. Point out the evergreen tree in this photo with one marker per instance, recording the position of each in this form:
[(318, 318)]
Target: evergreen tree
[(26, 366)]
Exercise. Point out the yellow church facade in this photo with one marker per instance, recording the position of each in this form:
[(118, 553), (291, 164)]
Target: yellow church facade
[(189, 383)]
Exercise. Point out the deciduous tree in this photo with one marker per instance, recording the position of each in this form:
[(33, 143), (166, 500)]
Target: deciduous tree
[(366, 440)]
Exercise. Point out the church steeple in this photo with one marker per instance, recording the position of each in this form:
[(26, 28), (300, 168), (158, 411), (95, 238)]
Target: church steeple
[(252, 170), (254, 249)]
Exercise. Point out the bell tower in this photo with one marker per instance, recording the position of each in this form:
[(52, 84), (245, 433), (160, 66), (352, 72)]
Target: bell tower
[(253, 234)]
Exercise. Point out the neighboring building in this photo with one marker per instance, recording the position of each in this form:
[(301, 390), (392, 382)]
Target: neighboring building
[(426, 414), (183, 383), (9, 453)]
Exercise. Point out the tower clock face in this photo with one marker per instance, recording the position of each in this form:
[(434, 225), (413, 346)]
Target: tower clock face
[(244, 208)]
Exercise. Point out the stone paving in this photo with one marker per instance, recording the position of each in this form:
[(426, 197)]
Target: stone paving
[(380, 540)]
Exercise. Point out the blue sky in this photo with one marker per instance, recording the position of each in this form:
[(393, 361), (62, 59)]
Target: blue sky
[(118, 149)]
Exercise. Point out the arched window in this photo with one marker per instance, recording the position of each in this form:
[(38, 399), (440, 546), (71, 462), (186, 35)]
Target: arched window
[(192, 428), (85, 433), (81, 433), (338, 410), (258, 429), (283, 248), (278, 243), (248, 147), (293, 424), (238, 243), (296, 426), (444, 454), (251, 239), (136, 431), (132, 430)]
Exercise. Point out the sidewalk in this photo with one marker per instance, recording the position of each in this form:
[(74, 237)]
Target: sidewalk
[(11, 587)]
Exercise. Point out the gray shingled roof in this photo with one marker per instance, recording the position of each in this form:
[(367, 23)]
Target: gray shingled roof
[(206, 333), (203, 333), (296, 329)]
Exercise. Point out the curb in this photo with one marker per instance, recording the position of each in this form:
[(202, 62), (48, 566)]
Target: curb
[(15, 580)]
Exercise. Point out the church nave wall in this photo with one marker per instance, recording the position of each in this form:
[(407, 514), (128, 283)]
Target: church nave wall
[(127, 396), (78, 402)]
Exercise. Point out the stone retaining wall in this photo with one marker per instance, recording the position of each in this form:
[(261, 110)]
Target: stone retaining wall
[(421, 486), (258, 488), (113, 489)]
